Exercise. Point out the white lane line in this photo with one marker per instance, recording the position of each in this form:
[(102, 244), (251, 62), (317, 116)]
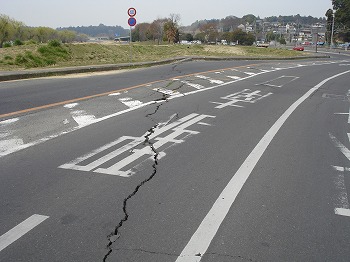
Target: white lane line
[(20, 230), (341, 200), (342, 168), (342, 212), (342, 148), (129, 102), (201, 239)]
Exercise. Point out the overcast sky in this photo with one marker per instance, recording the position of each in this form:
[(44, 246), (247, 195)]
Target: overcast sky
[(64, 13)]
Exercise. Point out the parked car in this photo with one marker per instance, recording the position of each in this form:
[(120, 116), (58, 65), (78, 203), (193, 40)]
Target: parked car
[(307, 43), (298, 48), (345, 45)]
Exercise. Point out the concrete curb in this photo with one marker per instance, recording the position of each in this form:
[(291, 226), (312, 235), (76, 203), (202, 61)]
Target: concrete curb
[(26, 74)]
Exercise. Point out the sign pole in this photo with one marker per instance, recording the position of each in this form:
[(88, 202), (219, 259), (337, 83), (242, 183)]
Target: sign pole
[(131, 22), (130, 46)]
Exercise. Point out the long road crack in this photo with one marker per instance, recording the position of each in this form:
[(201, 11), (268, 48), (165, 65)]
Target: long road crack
[(115, 235)]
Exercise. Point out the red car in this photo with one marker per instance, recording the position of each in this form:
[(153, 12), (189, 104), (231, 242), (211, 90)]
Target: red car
[(298, 48)]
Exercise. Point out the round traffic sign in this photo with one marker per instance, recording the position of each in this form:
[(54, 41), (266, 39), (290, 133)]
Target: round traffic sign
[(131, 12), (132, 21)]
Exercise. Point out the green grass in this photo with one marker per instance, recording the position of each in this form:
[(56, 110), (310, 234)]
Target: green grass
[(61, 55)]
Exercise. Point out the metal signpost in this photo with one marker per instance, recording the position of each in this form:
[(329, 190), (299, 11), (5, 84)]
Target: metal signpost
[(131, 22)]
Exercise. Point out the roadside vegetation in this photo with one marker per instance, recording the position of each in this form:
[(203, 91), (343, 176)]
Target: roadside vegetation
[(56, 54)]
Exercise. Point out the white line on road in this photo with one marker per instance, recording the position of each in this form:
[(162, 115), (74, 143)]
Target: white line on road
[(342, 212), (20, 230), (342, 148), (201, 239)]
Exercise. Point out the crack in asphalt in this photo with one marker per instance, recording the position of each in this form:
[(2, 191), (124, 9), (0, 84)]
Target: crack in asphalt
[(115, 235)]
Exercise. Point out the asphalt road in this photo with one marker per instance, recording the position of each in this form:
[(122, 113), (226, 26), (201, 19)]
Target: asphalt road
[(200, 161)]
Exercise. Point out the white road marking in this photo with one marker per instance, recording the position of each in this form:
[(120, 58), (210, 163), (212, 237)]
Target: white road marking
[(250, 73), (115, 94), (178, 127), (342, 212), (340, 146), (82, 118), (196, 86), (234, 77), (20, 230), (201, 239), (8, 121), (167, 91), (269, 83), (129, 102), (342, 168), (70, 106), (348, 114), (242, 96), (212, 81)]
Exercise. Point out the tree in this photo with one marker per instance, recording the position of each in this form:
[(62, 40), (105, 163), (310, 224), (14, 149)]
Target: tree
[(210, 31), (7, 29), (342, 17), (157, 29), (67, 36), (329, 15), (249, 18), (171, 28)]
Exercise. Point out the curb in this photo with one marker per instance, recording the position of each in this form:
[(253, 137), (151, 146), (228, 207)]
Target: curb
[(18, 75)]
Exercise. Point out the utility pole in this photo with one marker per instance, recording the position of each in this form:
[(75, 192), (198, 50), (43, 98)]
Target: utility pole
[(332, 30)]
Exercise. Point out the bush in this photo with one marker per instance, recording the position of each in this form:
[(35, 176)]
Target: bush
[(31, 42), (20, 60), (54, 43), (7, 44), (18, 42)]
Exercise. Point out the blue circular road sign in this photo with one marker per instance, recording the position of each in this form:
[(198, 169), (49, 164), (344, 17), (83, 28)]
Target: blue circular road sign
[(132, 21)]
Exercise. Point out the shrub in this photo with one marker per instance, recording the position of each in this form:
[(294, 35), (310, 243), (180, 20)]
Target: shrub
[(31, 42), (54, 43), (7, 44), (20, 60), (18, 42)]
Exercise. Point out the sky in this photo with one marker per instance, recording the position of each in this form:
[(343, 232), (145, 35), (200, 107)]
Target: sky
[(65, 13)]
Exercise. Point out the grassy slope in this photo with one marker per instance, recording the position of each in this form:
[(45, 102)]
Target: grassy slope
[(40, 56)]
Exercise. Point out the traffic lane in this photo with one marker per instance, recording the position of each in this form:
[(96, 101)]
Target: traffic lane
[(189, 207), (81, 207), (154, 251), (285, 212), (193, 106), (70, 152), (24, 94)]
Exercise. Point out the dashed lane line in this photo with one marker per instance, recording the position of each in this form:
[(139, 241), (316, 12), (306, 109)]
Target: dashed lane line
[(20, 230)]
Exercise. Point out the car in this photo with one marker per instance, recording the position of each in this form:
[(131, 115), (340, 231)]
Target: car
[(298, 48), (345, 45)]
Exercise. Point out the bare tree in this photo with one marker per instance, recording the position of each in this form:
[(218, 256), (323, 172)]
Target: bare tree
[(171, 28)]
